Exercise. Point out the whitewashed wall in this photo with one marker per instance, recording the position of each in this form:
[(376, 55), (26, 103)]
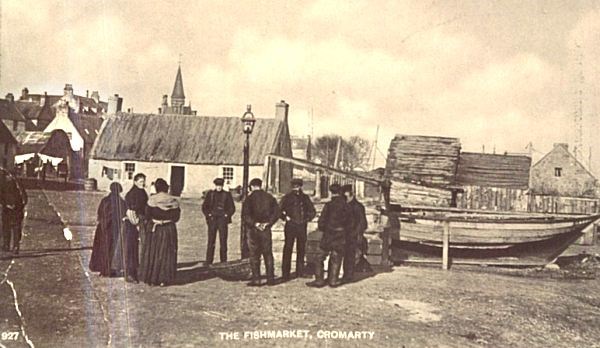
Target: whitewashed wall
[(198, 178)]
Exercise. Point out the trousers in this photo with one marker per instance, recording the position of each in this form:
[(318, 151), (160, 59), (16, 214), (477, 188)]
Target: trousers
[(294, 233), (217, 224)]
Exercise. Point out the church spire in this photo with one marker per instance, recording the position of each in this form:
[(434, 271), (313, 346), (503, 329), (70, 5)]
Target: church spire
[(178, 94)]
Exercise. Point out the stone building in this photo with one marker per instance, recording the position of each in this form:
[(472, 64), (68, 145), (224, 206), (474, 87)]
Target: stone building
[(177, 106), (560, 183)]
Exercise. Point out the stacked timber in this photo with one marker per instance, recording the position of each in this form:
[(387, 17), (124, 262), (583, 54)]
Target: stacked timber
[(404, 193), (427, 160)]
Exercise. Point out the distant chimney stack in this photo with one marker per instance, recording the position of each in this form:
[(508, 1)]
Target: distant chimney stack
[(281, 111), (43, 99), (68, 91), (115, 103), (24, 93), (87, 93), (96, 96), (10, 97)]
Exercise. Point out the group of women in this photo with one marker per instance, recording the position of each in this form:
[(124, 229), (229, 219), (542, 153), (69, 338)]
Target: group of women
[(136, 237)]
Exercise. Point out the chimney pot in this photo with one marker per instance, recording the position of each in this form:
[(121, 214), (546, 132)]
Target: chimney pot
[(10, 97)]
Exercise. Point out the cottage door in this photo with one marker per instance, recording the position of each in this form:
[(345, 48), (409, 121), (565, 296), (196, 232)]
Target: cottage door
[(177, 180)]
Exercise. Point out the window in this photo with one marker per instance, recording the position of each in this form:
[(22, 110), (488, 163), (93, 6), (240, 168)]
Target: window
[(228, 174), (129, 169), (557, 171), (15, 125)]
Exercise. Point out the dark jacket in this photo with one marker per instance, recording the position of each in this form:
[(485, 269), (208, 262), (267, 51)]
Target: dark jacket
[(13, 194), (137, 199), (218, 204), (335, 223), (260, 207), (358, 218), (298, 207)]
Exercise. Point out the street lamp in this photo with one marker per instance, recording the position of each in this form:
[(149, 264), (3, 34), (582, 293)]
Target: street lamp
[(248, 121)]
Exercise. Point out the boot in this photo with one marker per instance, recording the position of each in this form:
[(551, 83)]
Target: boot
[(270, 266), (334, 270), (255, 274), (319, 281)]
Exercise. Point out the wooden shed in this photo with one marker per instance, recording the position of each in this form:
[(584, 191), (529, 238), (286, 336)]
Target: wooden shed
[(493, 182)]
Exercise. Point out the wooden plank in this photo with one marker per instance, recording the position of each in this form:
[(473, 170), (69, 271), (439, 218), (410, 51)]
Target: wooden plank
[(446, 244)]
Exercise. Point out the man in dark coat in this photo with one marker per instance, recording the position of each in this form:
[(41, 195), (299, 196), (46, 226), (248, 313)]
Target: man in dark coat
[(13, 200), (358, 225), (259, 212), (296, 210), (218, 208), (334, 222)]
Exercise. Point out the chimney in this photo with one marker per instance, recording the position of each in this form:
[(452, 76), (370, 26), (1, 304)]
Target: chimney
[(24, 93), (10, 97), (115, 103), (96, 96), (43, 99), (281, 111), (68, 91), (87, 93)]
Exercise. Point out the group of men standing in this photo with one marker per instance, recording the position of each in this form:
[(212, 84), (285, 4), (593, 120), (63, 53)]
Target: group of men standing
[(342, 222)]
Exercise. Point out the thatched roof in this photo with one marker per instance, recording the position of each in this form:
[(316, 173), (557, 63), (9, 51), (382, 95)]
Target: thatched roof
[(424, 160), (490, 170), (185, 139)]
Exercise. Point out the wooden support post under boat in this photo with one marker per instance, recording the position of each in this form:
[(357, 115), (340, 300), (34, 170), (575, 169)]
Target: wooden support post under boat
[(446, 244), (318, 185)]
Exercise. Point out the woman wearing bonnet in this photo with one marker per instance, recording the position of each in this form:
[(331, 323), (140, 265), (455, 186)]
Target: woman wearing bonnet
[(159, 251)]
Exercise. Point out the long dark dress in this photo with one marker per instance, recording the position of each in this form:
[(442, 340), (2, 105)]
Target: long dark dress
[(107, 250), (159, 253), (136, 200)]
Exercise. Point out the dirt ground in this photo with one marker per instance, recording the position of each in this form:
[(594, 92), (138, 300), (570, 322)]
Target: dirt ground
[(62, 304)]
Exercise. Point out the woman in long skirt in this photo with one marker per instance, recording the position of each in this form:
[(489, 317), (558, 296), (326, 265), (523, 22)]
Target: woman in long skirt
[(136, 199), (159, 252), (107, 250)]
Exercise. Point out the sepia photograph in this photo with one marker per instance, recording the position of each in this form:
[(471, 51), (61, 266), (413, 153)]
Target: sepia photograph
[(285, 173)]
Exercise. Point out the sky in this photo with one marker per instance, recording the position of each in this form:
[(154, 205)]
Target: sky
[(496, 74)]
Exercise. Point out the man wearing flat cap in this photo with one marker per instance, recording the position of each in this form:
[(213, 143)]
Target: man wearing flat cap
[(354, 238), (334, 222), (259, 212), (218, 208), (296, 210)]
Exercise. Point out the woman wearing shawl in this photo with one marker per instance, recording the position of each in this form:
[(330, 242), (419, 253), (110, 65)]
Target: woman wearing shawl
[(159, 251), (107, 251), (136, 200)]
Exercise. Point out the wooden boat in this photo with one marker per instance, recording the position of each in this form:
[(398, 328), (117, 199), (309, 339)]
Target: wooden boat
[(536, 237), (486, 230)]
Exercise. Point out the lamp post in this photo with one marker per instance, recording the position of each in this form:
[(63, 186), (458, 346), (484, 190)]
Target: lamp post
[(248, 121)]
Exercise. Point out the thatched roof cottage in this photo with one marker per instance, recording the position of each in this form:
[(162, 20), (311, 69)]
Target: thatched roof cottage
[(188, 151)]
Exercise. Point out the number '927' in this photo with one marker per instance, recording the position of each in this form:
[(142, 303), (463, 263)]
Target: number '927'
[(9, 335)]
